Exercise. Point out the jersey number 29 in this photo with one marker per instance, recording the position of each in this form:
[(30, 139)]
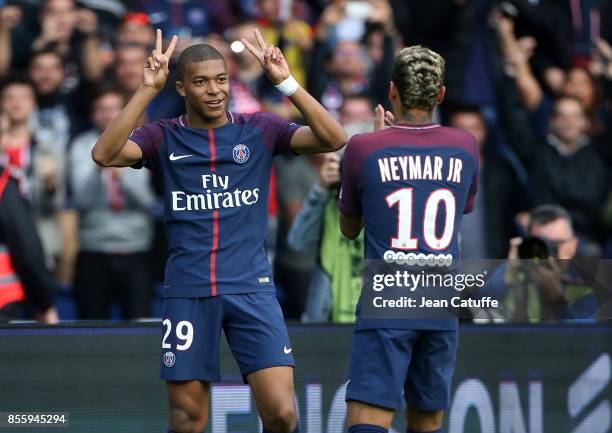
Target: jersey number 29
[(184, 332)]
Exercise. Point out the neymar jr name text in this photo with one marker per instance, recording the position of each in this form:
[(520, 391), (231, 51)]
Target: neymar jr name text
[(418, 167)]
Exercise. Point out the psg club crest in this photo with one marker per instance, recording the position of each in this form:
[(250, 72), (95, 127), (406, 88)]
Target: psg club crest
[(241, 153), (169, 359)]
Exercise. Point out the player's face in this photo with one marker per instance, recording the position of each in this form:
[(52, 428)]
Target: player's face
[(206, 88)]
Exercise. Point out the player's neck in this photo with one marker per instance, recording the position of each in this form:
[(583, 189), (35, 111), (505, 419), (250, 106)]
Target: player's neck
[(415, 116), (196, 121)]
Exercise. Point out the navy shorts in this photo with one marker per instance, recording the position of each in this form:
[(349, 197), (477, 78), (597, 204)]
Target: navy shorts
[(391, 367), (253, 324)]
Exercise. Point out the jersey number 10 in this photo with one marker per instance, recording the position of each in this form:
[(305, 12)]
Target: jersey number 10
[(404, 198)]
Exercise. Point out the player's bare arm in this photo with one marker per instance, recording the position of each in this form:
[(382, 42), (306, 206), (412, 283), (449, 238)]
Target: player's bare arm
[(323, 133), (351, 226), (113, 149)]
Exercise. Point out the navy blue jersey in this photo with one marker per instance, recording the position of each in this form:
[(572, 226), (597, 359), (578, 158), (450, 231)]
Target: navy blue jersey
[(215, 200), (412, 185)]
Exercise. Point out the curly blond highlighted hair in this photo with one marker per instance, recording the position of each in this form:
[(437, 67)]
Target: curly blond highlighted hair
[(418, 75)]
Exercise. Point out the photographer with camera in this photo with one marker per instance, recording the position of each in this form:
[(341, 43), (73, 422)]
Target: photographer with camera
[(541, 280)]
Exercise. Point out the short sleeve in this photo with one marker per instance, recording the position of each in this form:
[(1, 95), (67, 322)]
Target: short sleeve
[(349, 202), (149, 138), (277, 132)]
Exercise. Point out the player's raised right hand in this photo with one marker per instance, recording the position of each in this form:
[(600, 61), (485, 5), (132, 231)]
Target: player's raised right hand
[(382, 118), (155, 71)]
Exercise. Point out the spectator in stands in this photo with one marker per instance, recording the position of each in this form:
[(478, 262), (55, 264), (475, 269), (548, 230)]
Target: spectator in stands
[(128, 67), (577, 82), (485, 231), (72, 33), (292, 269), (54, 123), (26, 285), (9, 19), (17, 105), (472, 55), (110, 14), (565, 167), (419, 25), (57, 118), (115, 227), (38, 167), (339, 65), (292, 36), (135, 29), (191, 20), (566, 164), (18, 27), (556, 288), (335, 283), (250, 86), (356, 114)]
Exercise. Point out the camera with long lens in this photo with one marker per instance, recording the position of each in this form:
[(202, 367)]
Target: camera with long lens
[(533, 247)]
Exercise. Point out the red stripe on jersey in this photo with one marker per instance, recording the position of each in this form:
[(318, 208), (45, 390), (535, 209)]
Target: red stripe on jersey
[(215, 244), (213, 150), (213, 254)]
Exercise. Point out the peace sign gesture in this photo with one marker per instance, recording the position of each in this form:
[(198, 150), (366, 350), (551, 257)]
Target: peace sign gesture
[(270, 57), (155, 71)]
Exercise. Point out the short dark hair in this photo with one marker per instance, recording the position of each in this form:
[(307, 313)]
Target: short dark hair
[(357, 97), (106, 89), (547, 213), (196, 53), (458, 108), (47, 51), (20, 80), (562, 98)]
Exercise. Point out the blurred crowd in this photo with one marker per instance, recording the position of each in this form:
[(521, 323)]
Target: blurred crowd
[(530, 79)]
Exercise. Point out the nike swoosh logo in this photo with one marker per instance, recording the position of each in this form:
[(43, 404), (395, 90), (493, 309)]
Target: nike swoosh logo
[(176, 158), (287, 351)]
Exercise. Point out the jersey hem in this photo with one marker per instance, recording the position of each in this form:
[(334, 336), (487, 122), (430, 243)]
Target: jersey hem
[(173, 292)]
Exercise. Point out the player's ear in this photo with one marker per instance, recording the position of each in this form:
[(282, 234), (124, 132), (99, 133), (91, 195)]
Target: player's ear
[(441, 95), (180, 88), (392, 91)]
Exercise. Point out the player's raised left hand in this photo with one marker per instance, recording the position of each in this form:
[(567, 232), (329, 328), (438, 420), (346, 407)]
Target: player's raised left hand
[(270, 57)]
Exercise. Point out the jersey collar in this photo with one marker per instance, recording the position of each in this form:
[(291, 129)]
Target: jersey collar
[(430, 125), (183, 121)]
